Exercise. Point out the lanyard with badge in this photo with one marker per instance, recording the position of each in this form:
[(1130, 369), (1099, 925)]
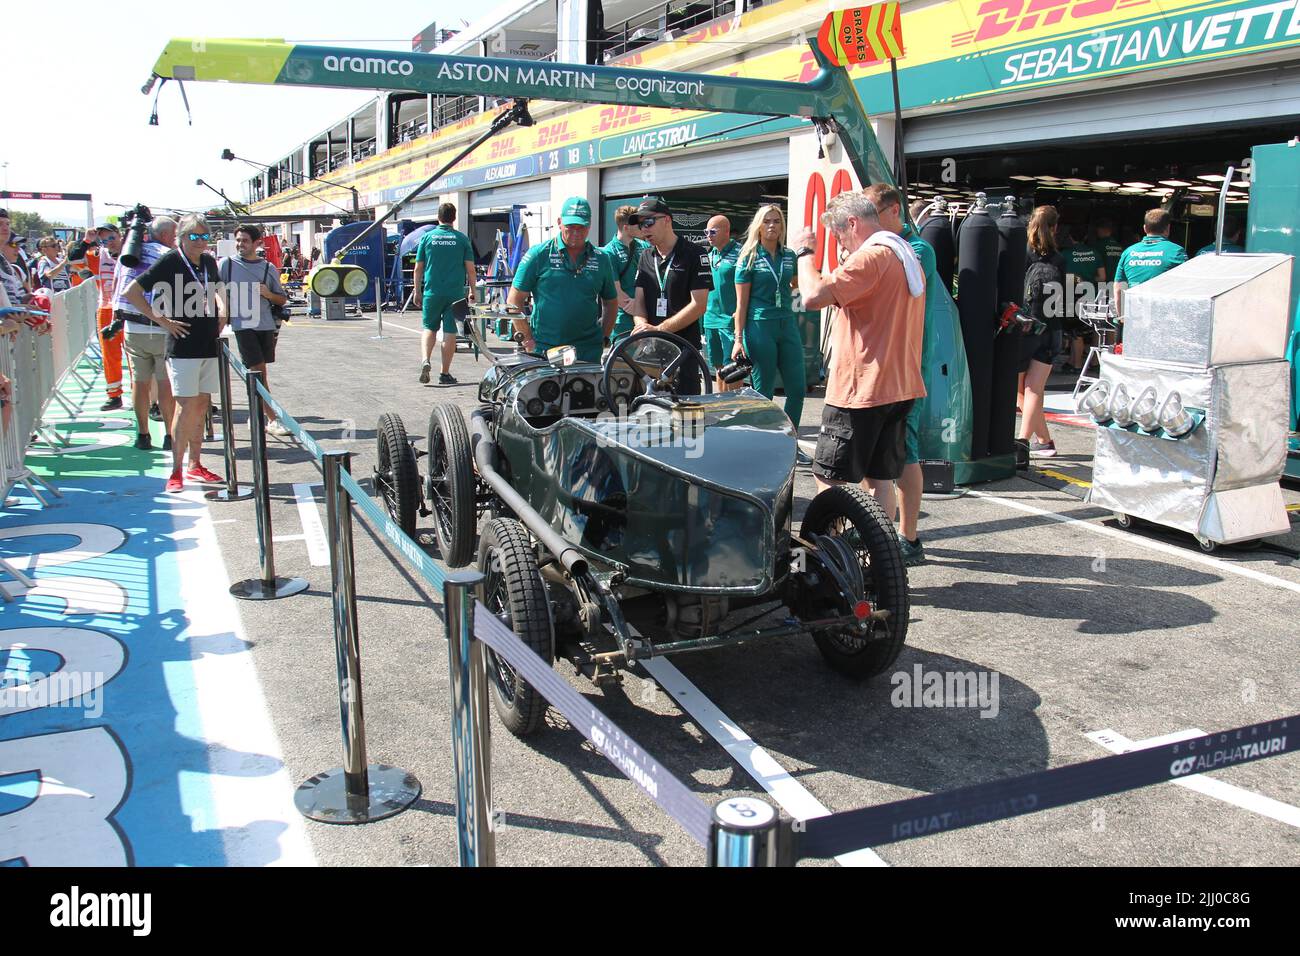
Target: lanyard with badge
[(780, 287), (661, 306), (203, 282)]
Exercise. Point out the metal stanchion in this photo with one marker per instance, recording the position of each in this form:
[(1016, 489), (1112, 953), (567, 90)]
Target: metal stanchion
[(233, 491), (744, 833), (471, 731), (355, 792), (379, 314), (268, 587)]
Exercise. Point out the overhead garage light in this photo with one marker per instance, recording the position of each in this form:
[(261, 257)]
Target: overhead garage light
[(1131, 191), (1077, 182), (1174, 182), (1204, 189), (1211, 177), (1241, 185), (1048, 179), (922, 185), (1023, 179), (1105, 184), (1140, 185)]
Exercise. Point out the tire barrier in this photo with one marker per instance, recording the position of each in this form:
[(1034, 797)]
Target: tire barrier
[(742, 831)]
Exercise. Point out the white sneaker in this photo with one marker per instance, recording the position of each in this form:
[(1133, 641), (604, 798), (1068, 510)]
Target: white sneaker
[(279, 429)]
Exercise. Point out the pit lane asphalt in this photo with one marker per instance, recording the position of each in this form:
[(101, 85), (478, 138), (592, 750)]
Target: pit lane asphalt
[(1085, 631)]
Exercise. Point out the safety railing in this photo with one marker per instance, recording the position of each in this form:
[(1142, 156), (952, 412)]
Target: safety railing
[(738, 831), (37, 360)]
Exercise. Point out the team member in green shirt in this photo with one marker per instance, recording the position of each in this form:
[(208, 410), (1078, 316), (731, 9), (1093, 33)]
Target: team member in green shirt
[(1153, 256), (766, 328), (444, 271), (1111, 248), (1233, 232), (719, 315), (624, 252), (575, 295), (1085, 271)]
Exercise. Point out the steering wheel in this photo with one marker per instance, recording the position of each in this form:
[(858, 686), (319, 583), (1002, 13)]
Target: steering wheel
[(667, 380)]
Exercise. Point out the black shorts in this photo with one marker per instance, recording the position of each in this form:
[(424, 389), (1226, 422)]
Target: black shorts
[(1039, 348), (256, 347), (857, 443)]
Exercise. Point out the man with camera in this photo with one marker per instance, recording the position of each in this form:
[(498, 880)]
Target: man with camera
[(184, 299), (146, 342), (253, 293), (52, 266)]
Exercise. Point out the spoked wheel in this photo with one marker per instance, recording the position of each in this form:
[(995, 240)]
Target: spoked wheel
[(513, 590), (449, 489), (852, 518), (396, 478)]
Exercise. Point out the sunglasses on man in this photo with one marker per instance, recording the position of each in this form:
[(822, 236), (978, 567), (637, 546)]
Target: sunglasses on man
[(648, 222), (199, 236), (710, 232)]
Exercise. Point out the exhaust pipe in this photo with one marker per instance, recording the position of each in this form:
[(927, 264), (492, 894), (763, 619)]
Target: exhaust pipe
[(484, 453)]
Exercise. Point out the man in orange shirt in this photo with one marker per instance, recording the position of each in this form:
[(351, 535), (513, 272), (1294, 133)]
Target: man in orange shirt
[(111, 346), (875, 372)]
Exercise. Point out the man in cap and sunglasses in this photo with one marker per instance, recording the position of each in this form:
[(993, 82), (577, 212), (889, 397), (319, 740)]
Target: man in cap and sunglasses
[(574, 293), (188, 303)]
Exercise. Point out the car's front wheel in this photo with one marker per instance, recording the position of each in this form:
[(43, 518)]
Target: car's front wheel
[(854, 517), (514, 591), (449, 489)]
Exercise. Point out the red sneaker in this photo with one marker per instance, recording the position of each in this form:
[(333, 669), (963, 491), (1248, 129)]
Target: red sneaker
[(174, 483), (200, 474)]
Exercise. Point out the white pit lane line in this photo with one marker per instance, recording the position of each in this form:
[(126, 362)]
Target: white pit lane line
[(756, 761), (313, 531), (1117, 743), (1184, 554)]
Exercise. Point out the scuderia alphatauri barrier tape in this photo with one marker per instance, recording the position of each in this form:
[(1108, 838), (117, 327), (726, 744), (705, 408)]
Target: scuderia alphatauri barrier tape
[(622, 751), (983, 803)]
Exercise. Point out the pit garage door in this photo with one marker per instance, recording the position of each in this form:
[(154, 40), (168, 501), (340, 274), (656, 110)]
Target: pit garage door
[(731, 164), (503, 197)]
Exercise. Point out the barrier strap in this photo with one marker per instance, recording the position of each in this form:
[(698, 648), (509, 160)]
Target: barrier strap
[(301, 434), (236, 367), (622, 751), (826, 837), (427, 568)]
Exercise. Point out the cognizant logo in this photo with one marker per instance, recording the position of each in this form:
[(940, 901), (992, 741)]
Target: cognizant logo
[(368, 64)]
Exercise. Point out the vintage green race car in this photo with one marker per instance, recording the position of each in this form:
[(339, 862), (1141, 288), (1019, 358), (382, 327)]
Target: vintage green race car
[(617, 518)]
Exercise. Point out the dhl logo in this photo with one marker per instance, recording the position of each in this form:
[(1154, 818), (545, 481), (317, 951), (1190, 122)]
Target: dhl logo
[(502, 148), (555, 134), (1002, 17), (617, 117)]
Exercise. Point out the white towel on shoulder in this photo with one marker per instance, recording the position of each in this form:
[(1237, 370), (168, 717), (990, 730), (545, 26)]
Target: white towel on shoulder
[(903, 249)]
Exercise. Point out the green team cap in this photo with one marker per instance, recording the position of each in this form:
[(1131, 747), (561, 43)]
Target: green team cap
[(576, 212)]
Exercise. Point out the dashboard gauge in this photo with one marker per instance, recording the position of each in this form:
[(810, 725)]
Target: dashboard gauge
[(549, 390), (535, 407)]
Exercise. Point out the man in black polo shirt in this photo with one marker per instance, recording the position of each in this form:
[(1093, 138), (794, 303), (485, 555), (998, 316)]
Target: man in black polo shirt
[(672, 284)]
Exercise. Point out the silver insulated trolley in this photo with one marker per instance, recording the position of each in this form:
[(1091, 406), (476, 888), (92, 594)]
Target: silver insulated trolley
[(1192, 417)]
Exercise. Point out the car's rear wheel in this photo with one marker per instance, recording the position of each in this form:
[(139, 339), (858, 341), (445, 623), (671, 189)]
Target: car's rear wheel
[(449, 489), (513, 590), (397, 480), (854, 517)]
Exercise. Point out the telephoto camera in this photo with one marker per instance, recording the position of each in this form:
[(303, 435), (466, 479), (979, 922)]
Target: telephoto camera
[(736, 370), (135, 221)]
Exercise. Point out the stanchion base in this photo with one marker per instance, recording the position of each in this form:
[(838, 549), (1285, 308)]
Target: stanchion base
[(223, 494), (324, 797), (255, 589)]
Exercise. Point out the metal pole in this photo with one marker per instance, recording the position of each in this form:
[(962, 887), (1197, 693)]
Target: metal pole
[(900, 159), (471, 734), (744, 833), (357, 792), (232, 491), (268, 587)]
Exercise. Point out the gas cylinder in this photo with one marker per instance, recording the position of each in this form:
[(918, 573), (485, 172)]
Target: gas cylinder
[(977, 302), (1012, 245), (937, 231)]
